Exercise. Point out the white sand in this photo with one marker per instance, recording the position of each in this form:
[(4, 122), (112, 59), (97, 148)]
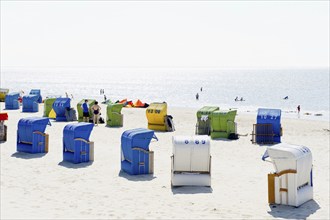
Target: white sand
[(44, 187)]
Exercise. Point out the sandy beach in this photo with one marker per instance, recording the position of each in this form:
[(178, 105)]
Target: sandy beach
[(41, 186)]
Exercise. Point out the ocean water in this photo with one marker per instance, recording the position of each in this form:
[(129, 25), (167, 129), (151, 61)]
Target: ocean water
[(308, 88)]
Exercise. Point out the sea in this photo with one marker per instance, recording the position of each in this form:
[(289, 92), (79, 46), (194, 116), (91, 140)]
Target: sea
[(260, 88)]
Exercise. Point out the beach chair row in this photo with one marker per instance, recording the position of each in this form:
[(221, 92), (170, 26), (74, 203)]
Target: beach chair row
[(290, 184)]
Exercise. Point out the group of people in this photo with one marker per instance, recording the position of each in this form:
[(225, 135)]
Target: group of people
[(237, 99), (96, 110)]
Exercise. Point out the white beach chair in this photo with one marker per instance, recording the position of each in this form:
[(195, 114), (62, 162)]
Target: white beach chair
[(292, 182), (191, 161)]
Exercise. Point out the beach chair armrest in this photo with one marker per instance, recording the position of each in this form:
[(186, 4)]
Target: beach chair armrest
[(140, 149)]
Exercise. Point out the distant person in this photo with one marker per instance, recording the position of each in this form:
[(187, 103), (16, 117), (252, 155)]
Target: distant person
[(298, 109), (236, 99), (201, 89), (286, 97), (197, 96), (241, 99), (105, 98), (85, 109), (96, 112), (66, 95)]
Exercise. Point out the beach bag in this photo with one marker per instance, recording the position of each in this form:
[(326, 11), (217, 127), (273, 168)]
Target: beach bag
[(101, 120), (233, 136)]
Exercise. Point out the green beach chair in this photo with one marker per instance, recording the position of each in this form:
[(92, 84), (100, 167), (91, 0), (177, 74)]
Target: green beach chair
[(91, 102), (48, 106), (203, 126), (114, 116), (223, 123)]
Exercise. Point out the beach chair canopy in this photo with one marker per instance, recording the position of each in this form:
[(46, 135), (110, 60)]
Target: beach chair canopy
[(139, 137), (206, 110), (30, 98), (60, 105), (13, 95), (156, 113), (36, 92), (115, 107), (268, 116), (291, 157), (26, 127)]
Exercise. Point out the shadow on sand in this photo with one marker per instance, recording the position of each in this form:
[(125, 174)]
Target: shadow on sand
[(191, 189), (290, 212), (73, 165), (27, 156), (145, 177)]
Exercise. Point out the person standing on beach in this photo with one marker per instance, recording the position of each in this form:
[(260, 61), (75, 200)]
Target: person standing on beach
[(96, 111), (197, 96), (201, 89), (85, 109), (298, 109)]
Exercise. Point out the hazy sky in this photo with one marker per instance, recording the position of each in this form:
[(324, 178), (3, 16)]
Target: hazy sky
[(165, 34)]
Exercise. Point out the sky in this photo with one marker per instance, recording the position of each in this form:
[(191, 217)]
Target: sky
[(213, 34)]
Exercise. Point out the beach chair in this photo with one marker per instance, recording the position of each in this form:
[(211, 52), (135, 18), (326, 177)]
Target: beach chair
[(91, 102), (136, 158), (292, 182), (3, 93), (76, 145), (48, 106), (61, 106), (268, 129), (31, 136), (203, 126), (191, 161), (114, 116), (30, 103), (36, 92), (157, 117), (3, 127), (223, 124), (11, 100)]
